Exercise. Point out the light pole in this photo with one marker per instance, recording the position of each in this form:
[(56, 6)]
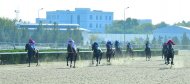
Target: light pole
[(124, 23), (39, 12), (16, 23)]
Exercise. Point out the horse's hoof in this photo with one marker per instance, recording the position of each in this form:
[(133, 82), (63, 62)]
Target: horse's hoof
[(28, 66), (73, 66), (172, 63), (67, 64), (96, 64)]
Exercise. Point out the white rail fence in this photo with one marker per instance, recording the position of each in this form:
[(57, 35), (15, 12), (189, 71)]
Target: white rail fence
[(8, 45)]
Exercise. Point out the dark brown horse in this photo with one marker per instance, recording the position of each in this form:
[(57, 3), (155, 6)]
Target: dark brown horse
[(164, 52), (147, 52), (110, 52), (32, 53), (130, 52), (71, 55), (170, 54), (97, 53)]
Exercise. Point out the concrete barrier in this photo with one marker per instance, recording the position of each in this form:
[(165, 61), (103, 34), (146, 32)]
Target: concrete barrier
[(21, 57)]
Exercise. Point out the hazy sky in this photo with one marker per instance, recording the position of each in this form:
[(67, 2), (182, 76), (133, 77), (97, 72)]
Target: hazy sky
[(170, 11)]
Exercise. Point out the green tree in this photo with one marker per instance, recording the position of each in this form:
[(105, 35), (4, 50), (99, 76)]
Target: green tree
[(160, 25), (176, 40), (160, 40), (185, 41)]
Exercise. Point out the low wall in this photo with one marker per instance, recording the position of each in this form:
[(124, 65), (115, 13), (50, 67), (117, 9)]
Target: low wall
[(21, 57)]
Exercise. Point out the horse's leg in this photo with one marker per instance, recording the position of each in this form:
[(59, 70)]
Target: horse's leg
[(67, 60), (107, 56), (132, 54), (97, 60), (100, 57), (71, 59), (146, 57), (165, 59), (150, 54), (93, 58), (37, 58), (172, 61), (172, 58), (75, 58), (29, 59), (168, 60)]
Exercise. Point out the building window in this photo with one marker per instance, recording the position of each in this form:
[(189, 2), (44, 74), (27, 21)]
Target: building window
[(90, 25), (96, 17), (71, 19), (100, 17), (57, 16), (109, 17), (106, 17), (96, 25), (91, 17), (100, 26), (78, 19)]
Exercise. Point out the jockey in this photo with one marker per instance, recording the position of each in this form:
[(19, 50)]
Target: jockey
[(170, 41), (147, 44), (129, 45), (72, 42), (116, 44), (109, 45), (32, 43), (95, 45)]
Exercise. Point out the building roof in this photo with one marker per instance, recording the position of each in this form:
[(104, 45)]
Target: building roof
[(51, 26), (172, 29)]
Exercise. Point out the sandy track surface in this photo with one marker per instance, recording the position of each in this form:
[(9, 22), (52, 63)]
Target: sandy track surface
[(121, 71)]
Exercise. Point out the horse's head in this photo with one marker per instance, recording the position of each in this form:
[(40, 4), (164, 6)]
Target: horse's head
[(108, 46), (26, 47), (170, 45), (95, 46)]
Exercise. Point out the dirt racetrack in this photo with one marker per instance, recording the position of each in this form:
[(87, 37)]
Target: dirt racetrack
[(121, 71)]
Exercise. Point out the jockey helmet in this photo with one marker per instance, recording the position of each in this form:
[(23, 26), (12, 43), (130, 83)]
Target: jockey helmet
[(31, 41), (170, 41)]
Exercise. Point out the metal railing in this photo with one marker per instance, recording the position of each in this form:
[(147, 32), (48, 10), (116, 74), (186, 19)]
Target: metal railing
[(9, 46)]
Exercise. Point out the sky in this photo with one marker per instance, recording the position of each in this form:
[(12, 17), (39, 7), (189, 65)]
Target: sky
[(169, 11)]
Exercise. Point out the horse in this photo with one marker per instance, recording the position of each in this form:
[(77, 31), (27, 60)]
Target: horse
[(130, 51), (97, 53), (109, 53), (164, 53), (32, 53), (170, 54), (118, 51), (71, 55), (147, 53)]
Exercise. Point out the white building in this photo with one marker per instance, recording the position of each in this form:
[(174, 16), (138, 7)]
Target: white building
[(171, 31)]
